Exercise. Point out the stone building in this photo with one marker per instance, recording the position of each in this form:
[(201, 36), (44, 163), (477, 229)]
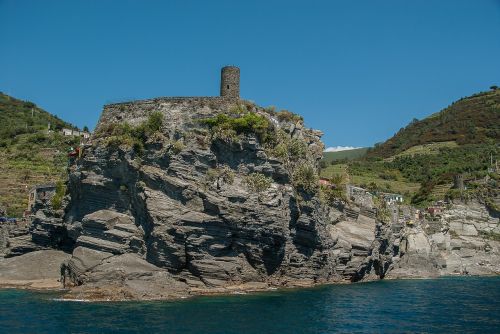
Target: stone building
[(76, 133), (41, 193)]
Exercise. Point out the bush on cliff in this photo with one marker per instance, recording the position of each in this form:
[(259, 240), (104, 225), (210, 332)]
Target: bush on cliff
[(288, 116), (334, 193), (258, 182), (248, 123), (305, 178), (59, 195), (131, 136), (224, 174)]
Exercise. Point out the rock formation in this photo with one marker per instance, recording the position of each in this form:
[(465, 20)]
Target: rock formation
[(182, 196)]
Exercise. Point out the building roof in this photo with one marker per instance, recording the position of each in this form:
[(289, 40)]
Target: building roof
[(43, 186)]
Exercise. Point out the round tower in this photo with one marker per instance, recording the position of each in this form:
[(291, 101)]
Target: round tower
[(458, 182), (230, 82)]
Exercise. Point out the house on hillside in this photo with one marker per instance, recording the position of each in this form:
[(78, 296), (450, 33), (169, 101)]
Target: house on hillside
[(76, 133), (390, 198), (40, 193)]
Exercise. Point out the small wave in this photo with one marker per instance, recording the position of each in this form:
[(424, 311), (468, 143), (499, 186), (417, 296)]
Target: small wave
[(71, 300)]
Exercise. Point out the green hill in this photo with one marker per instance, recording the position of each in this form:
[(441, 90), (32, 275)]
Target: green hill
[(344, 155), (29, 153), (470, 120), (421, 160)]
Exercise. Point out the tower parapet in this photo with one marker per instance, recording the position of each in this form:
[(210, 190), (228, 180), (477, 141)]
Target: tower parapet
[(230, 82)]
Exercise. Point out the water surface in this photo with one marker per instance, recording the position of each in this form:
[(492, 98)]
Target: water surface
[(446, 305)]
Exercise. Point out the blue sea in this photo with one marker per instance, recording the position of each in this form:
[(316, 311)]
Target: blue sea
[(445, 305)]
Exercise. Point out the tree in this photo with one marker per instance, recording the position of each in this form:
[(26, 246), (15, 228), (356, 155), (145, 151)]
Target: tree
[(85, 129), (494, 87)]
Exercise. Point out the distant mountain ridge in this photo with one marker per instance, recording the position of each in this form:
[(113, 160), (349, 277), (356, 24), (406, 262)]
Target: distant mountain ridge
[(345, 154), (470, 120)]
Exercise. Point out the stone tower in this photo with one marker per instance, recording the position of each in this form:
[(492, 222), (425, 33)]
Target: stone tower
[(230, 82), (458, 182)]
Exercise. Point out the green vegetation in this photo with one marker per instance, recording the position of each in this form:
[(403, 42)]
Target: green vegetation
[(123, 134), (421, 160), (29, 154), (432, 148), (258, 182), (288, 116), (19, 117), (373, 176), (335, 193), (296, 157), (225, 174), (346, 155), (59, 195), (470, 120), (293, 153), (423, 178), (227, 128), (305, 178), (178, 146)]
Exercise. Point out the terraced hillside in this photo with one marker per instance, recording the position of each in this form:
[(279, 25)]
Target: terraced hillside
[(29, 153), (421, 160)]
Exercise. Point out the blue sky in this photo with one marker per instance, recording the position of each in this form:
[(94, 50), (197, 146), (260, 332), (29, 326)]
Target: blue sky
[(357, 70)]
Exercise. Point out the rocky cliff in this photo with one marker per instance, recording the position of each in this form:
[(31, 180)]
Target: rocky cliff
[(207, 195), (205, 204)]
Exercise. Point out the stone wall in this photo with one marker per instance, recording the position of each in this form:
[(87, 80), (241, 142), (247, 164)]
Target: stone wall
[(176, 109)]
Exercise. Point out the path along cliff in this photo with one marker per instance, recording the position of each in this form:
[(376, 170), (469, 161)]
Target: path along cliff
[(185, 196)]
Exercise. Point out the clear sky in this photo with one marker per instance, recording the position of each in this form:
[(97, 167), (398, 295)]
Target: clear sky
[(357, 70)]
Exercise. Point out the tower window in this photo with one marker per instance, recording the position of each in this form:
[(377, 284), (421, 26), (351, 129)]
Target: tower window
[(227, 86)]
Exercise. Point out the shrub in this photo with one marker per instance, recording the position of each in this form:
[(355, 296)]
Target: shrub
[(287, 116), (306, 178), (227, 127), (238, 109), (224, 174), (37, 138), (270, 110), (154, 122), (258, 182), (297, 149), (332, 195), (59, 195), (135, 137), (178, 146)]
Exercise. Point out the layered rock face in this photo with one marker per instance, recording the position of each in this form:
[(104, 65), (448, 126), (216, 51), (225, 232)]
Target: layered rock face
[(177, 211), (191, 211)]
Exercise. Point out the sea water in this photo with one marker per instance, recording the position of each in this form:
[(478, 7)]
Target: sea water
[(445, 305)]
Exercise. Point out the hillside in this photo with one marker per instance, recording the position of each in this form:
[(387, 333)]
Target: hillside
[(421, 160), (344, 155), (471, 120), (29, 153)]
